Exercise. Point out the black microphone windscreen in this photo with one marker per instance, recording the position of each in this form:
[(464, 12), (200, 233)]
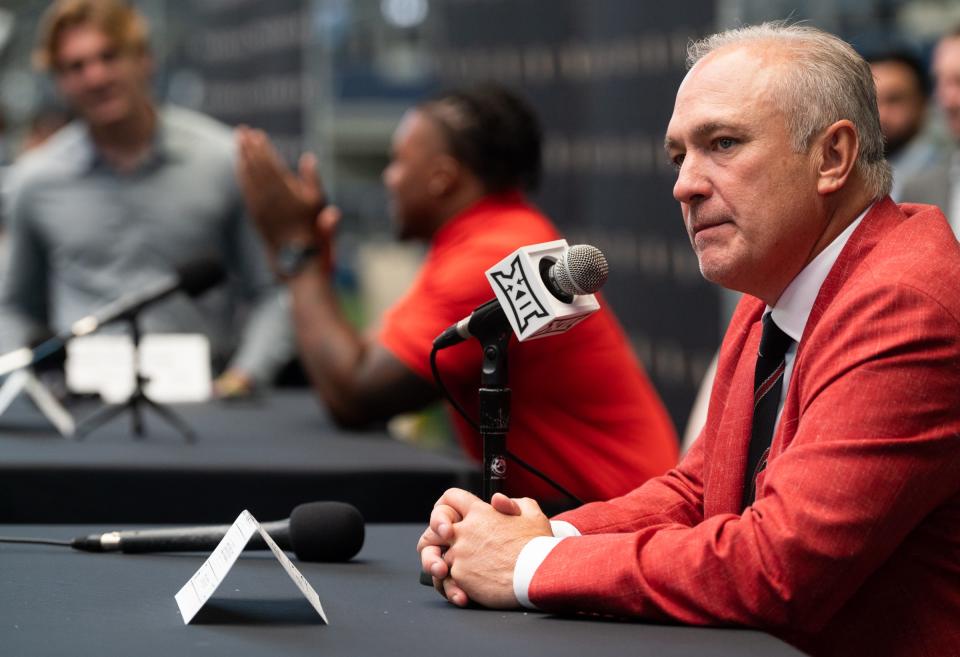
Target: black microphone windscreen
[(326, 531), (199, 275)]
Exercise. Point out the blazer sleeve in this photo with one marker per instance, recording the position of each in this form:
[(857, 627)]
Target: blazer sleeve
[(674, 498), (875, 452)]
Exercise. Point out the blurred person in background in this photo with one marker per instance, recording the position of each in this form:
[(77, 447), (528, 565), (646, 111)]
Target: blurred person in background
[(583, 410), (43, 124), (123, 195), (5, 150), (940, 183), (902, 91)]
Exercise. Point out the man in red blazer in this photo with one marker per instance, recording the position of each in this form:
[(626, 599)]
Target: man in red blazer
[(851, 544)]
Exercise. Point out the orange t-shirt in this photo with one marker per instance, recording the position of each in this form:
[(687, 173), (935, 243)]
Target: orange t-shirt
[(582, 409)]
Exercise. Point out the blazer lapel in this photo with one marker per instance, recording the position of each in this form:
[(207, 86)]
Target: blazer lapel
[(731, 412), (881, 218)]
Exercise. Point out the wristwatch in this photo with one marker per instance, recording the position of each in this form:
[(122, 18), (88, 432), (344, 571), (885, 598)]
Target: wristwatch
[(292, 257)]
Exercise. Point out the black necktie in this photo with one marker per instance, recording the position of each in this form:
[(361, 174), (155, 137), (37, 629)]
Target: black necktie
[(767, 384)]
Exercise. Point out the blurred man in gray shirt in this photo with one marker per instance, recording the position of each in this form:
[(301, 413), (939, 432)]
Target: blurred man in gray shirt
[(120, 197)]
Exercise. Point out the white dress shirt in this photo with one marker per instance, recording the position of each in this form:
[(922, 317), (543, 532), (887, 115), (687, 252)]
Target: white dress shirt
[(790, 313)]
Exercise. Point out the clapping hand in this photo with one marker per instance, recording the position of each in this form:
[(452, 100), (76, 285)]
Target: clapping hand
[(284, 205)]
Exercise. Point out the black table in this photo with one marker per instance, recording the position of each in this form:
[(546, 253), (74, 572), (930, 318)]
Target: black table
[(54, 601), (266, 456)]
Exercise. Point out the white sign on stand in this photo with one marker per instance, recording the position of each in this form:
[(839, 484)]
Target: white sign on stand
[(202, 585), (176, 367)]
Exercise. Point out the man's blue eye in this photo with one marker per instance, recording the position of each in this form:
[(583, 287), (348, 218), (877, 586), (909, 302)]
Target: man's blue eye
[(725, 143)]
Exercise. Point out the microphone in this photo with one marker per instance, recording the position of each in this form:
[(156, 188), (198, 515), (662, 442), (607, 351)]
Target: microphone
[(569, 281), (316, 531), (194, 278), (583, 269)]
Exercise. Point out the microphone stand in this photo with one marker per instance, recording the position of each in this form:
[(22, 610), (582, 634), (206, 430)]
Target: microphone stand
[(137, 399), (26, 381), (494, 337), (494, 403)]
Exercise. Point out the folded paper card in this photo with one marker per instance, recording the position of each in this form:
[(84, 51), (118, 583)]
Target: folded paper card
[(195, 593)]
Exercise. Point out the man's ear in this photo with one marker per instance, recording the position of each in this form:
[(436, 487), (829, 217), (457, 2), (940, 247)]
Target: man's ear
[(445, 178), (839, 146)]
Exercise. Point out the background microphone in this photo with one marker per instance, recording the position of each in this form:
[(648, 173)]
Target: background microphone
[(568, 272), (316, 531), (194, 278)]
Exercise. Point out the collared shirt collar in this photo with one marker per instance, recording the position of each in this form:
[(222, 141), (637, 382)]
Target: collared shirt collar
[(462, 225), (163, 149), (794, 305)]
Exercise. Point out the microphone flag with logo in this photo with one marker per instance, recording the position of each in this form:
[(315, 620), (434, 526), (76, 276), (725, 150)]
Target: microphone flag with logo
[(536, 308)]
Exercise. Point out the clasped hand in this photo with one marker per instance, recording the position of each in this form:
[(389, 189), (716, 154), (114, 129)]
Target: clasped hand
[(470, 548)]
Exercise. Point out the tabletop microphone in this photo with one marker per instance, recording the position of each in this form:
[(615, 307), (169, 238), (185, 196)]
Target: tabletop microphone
[(315, 531), (580, 270)]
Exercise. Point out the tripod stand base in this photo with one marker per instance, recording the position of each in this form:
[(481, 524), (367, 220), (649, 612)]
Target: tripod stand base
[(26, 382), (134, 404)]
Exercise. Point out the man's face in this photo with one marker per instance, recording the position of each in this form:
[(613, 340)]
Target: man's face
[(101, 82), (946, 71), (749, 203), (410, 178), (901, 103)]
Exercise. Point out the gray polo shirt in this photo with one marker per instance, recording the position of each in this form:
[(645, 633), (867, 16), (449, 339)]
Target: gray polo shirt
[(81, 235)]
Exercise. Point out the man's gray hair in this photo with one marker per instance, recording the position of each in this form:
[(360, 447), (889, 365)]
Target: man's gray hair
[(825, 81)]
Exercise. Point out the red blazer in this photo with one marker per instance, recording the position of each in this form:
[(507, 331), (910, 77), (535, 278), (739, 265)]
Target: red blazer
[(853, 544)]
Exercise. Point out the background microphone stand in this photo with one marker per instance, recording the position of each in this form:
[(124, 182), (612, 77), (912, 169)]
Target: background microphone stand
[(137, 399), (22, 368), (25, 381)]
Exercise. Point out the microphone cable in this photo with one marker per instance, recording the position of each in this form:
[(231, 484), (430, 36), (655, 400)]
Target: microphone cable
[(34, 541), (476, 426)]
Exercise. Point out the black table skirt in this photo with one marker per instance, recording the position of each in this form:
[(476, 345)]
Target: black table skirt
[(265, 456)]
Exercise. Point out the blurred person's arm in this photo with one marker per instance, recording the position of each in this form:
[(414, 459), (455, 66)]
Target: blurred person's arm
[(23, 271), (358, 379), (265, 341)]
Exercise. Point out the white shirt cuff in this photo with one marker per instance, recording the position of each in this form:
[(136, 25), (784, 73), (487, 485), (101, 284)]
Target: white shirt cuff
[(533, 554), (563, 528)]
